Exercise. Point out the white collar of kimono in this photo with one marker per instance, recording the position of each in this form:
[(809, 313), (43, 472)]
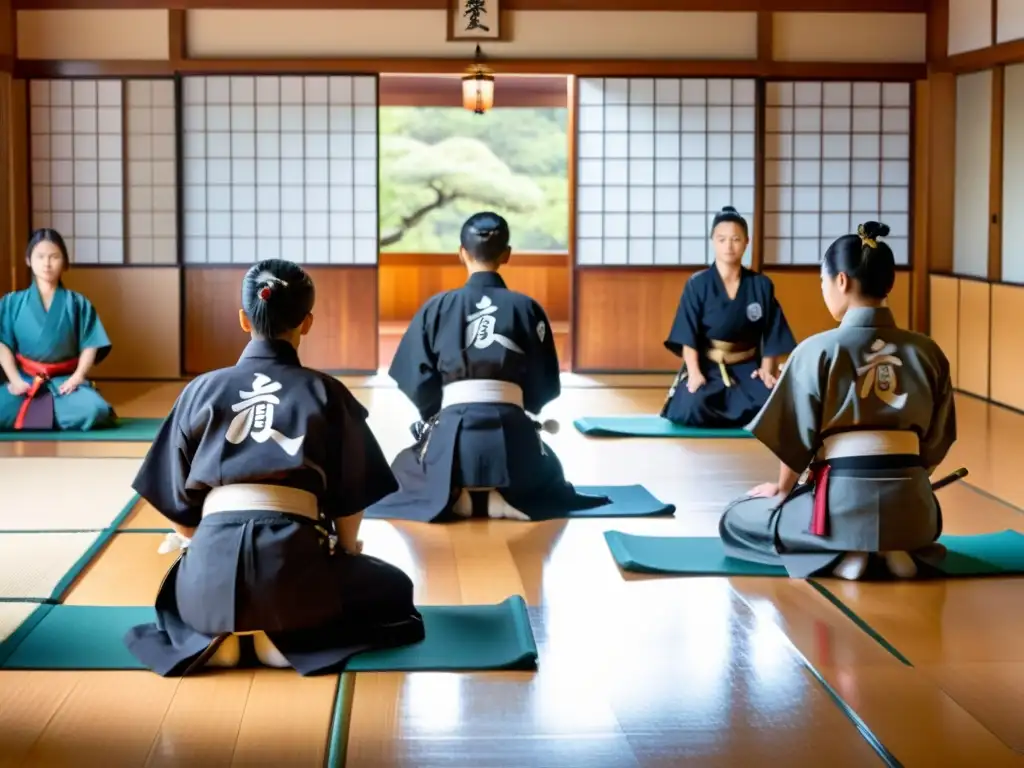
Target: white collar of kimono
[(868, 317)]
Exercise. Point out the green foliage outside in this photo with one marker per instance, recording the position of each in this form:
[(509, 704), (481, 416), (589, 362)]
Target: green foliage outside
[(440, 165)]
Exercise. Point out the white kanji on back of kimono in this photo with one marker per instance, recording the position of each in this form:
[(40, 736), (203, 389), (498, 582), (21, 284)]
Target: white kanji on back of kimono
[(255, 417), (481, 331), (880, 374)]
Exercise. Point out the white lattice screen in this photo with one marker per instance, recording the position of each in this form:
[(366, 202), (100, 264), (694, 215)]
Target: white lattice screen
[(280, 167), (657, 158)]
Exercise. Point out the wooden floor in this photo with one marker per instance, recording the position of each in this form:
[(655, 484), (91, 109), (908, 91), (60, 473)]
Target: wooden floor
[(634, 671)]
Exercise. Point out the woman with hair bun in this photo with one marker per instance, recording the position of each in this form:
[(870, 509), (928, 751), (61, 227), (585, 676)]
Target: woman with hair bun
[(50, 340), (264, 470), (730, 331), (867, 410)]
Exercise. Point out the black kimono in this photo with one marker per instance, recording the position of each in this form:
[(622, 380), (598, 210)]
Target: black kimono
[(730, 336), (480, 334), (269, 421)]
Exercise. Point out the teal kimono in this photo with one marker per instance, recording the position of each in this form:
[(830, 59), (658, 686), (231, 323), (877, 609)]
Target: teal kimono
[(56, 335)]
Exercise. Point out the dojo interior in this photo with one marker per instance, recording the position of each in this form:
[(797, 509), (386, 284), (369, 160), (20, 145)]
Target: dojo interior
[(109, 132)]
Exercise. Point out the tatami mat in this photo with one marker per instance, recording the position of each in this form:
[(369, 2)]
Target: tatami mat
[(39, 566), (64, 494)]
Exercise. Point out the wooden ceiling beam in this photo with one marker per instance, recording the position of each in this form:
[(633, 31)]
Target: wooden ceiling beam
[(777, 70), (779, 6)]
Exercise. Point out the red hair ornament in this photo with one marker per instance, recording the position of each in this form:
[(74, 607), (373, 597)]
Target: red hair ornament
[(265, 292)]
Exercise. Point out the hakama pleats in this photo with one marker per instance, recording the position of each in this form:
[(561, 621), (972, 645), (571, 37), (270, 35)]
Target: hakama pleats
[(715, 404), (869, 510), (481, 446), (259, 571)]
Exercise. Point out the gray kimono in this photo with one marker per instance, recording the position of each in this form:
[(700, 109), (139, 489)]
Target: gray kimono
[(866, 376)]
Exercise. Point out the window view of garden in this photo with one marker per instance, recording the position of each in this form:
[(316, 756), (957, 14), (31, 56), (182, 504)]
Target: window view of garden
[(439, 165)]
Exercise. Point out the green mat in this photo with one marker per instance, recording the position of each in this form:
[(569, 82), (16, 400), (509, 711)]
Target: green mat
[(126, 431), (648, 426), (458, 638), (987, 554)]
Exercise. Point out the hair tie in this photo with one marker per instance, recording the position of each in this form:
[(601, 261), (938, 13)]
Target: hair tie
[(265, 292), (864, 239)]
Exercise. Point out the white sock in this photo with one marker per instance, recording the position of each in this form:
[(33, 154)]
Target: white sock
[(267, 652), (498, 508), (852, 566), (463, 506), (228, 653), (900, 564)]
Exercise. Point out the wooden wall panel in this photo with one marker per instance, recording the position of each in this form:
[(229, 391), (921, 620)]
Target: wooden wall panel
[(213, 338), (900, 299), (825, 37), (799, 293), (406, 281), (1006, 361), (344, 333), (973, 337), (240, 33), (101, 34), (623, 317), (141, 310), (944, 318)]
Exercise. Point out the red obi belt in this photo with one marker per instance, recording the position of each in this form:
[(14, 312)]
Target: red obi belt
[(819, 518), (40, 373)]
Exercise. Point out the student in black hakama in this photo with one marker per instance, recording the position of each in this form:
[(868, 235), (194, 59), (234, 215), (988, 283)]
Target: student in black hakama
[(476, 361), (264, 470), (730, 331)]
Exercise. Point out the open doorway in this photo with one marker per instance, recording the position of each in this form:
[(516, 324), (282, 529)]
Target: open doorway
[(439, 163)]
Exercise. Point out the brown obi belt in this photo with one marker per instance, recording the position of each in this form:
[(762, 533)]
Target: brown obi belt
[(856, 451), (40, 373), (728, 353)]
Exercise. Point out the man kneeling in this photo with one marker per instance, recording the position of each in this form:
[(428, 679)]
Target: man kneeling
[(476, 361)]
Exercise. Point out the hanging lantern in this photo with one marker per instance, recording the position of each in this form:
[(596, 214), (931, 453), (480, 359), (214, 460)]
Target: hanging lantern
[(478, 87)]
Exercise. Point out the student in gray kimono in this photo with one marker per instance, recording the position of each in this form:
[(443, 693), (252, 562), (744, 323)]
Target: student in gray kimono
[(867, 410)]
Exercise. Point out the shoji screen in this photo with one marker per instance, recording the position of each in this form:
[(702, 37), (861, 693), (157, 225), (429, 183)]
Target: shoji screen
[(1013, 175), (836, 154), (82, 134), (152, 172), (280, 167), (657, 158), (973, 147)]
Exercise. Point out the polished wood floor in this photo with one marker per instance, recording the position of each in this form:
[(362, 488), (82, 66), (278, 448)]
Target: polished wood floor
[(634, 671)]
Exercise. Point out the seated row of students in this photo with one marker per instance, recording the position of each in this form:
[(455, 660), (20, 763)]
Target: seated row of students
[(729, 330), (265, 468)]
